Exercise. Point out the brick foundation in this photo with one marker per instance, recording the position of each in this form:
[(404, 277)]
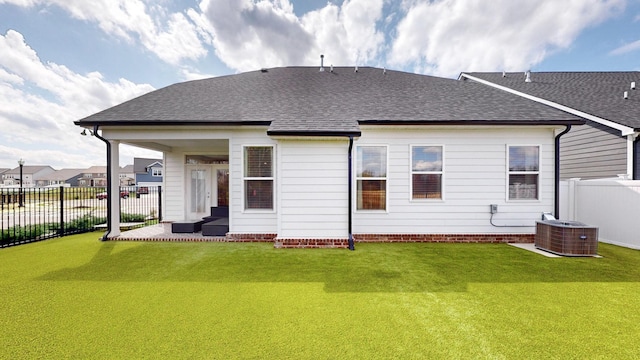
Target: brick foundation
[(280, 243), (162, 232), (250, 237), (447, 238)]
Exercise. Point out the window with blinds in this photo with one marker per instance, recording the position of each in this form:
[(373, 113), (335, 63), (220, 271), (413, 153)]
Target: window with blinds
[(258, 177), (524, 172), (371, 177), (426, 172)]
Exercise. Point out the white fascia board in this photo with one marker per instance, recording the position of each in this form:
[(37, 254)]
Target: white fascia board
[(624, 130)]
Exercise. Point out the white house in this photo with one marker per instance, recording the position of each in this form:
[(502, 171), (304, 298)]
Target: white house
[(304, 156), (30, 175)]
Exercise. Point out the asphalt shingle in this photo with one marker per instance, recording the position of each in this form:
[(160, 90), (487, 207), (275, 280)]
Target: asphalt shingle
[(599, 94), (305, 100)]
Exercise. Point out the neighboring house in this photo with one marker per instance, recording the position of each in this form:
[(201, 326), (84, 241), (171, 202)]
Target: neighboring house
[(148, 171), (607, 145), (96, 176), (2, 176), (2, 171), (127, 176), (30, 175), (329, 156), (64, 177)]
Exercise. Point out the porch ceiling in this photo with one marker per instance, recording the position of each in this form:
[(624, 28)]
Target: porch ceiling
[(170, 145)]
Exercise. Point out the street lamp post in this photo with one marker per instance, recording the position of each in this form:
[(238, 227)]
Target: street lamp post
[(21, 163)]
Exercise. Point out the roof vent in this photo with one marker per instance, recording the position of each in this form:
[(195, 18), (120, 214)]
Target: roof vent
[(356, 69), (527, 76), (264, 70), (633, 85), (504, 74), (626, 94), (384, 70), (331, 70), (321, 63)]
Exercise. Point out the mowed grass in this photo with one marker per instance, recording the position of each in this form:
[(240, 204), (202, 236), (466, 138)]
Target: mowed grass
[(77, 297)]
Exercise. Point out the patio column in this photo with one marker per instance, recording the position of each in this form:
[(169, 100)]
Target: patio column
[(114, 185)]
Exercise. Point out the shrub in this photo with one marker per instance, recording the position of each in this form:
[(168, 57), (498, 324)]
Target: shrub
[(83, 223), (25, 233), (124, 217)]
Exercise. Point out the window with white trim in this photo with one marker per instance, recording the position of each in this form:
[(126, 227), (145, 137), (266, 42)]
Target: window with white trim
[(524, 172), (157, 172), (258, 177), (426, 172), (371, 177)]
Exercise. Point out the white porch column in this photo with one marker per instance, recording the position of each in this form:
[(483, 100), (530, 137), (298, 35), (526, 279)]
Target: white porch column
[(630, 139), (114, 182)]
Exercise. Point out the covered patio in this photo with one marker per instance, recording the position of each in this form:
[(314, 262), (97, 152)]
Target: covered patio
[(162, 232)]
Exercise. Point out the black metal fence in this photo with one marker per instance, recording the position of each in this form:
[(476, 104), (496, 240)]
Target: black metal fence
[(34, 214)]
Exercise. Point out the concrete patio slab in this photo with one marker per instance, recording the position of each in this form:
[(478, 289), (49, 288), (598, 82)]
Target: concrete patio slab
[(532, 248), (162, 232)]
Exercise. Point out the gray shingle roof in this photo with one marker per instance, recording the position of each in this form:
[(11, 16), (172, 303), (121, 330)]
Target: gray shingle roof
[(596, 93), (304, 100), (62, 175), (140, 164), (28, 169)]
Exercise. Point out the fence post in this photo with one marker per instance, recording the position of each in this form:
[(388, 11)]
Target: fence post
[(159, 204), (61, 227), (572, 205)]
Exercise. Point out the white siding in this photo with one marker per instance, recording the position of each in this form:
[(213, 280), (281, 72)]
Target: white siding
[(240, 221), (475, 176), (313, 189), (174, 191), (311, 183), (243, 221)]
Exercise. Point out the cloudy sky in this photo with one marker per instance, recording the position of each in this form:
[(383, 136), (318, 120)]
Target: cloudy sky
[(62, 60)]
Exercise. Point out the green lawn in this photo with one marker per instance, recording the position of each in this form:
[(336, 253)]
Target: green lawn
[(77, 297)]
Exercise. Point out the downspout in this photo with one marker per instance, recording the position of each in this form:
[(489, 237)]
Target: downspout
[(556, 205), (351, 245), (105, 237), (634, 174)]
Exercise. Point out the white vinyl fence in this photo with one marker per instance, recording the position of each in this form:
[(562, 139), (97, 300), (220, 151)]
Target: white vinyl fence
[(613, 205)]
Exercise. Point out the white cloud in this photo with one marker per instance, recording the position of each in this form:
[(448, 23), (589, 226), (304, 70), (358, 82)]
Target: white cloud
[(180, 41), (84, 93), (23, 3), (9, 157), (39, 102), (422, 165), (188, 75), (346, 34), (10, 78), (446, 37), (249, 35), (627, 48), (171, 37)]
